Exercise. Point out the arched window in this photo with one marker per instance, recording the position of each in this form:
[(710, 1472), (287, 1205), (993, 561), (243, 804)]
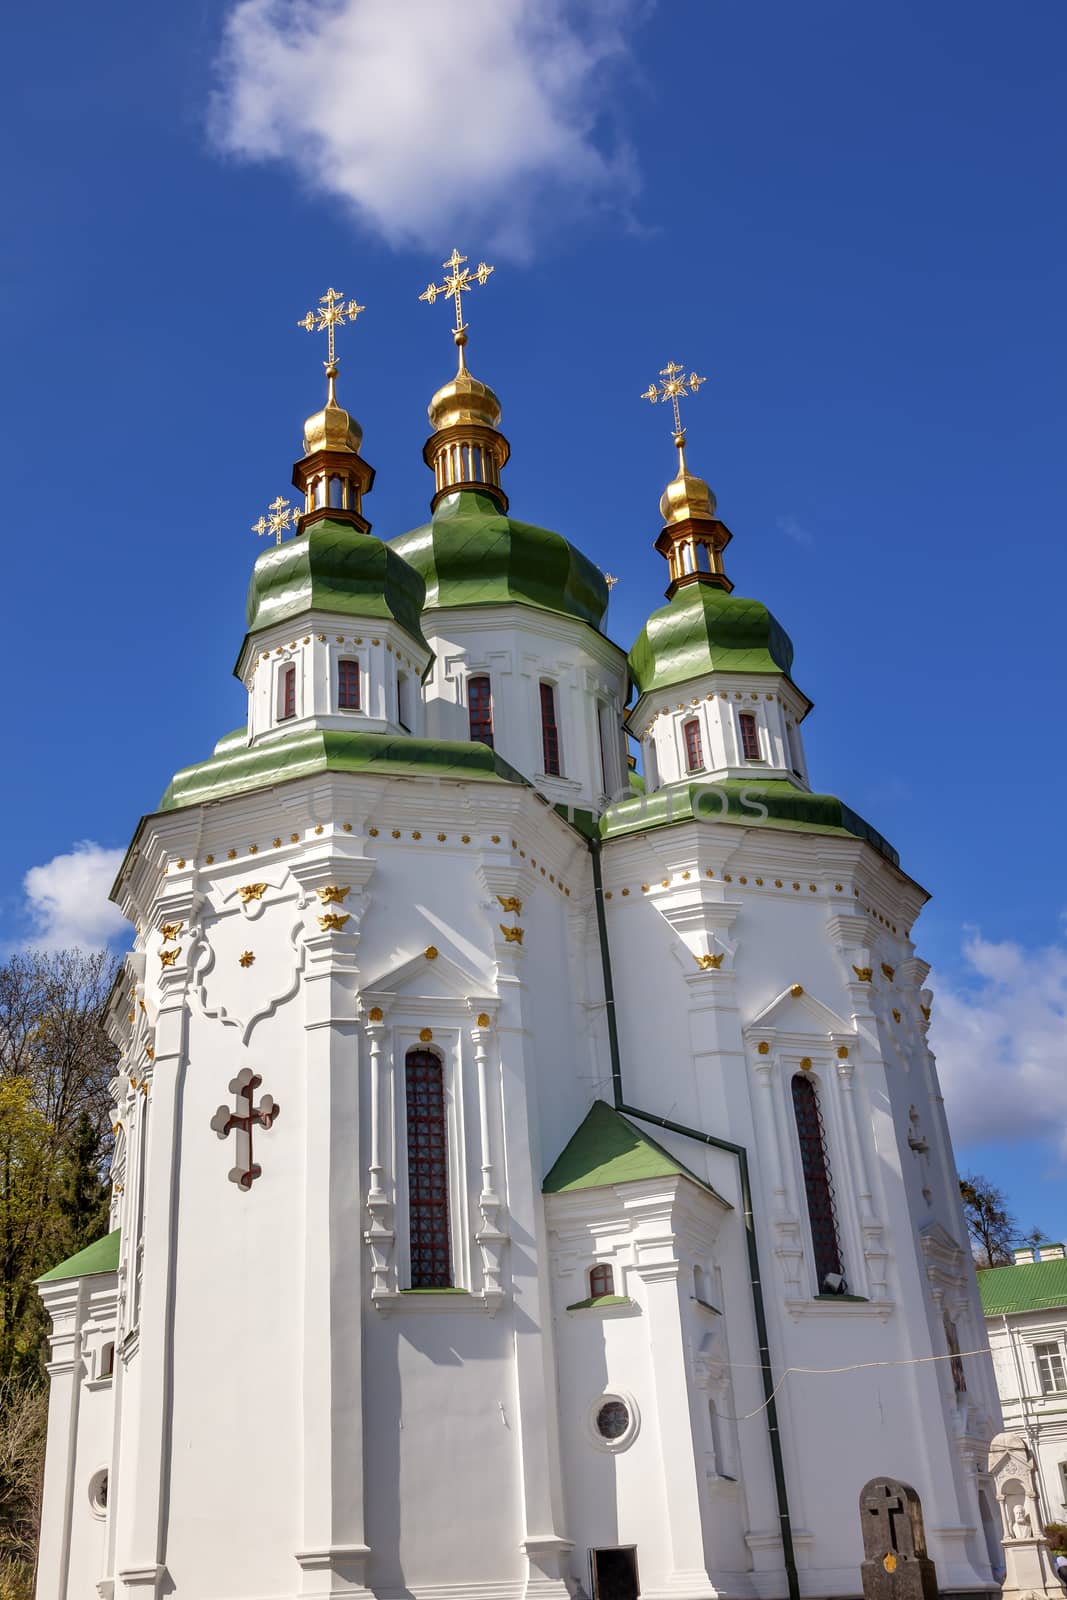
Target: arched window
[(288, 693), (601, 1281), (549, 730), (402, 701), (480, 710), (694, 748), (952, 1339), (817, 1183), (749, 736), (431, 1255), (336, 493), (348, 685), (107, 1361)]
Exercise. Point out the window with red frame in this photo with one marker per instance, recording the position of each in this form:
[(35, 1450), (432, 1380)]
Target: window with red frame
[(480, 710), (601, 1281), (289, 692), (694, 748), (549, 730), (817, 1185), (428, 1231), (749, 736), (348, 685)]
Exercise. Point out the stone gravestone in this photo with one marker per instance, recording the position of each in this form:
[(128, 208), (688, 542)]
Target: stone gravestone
[(1028, 1566), (895, 1563)]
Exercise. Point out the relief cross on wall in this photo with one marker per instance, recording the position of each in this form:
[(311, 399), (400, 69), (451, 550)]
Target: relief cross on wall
[(243, 1120)]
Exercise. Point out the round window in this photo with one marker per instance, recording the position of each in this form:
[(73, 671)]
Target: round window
[(98, 1492), (612, 1420)]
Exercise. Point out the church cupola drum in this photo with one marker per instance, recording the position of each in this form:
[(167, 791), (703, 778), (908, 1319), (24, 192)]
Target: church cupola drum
[(541, 1183)]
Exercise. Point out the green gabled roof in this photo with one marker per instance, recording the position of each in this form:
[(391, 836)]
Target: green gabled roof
[(471, 554), (703, 629), (734, 800), (333, 567), (1040, 1286), (608, 1149), (101, 1256), (236, 767)]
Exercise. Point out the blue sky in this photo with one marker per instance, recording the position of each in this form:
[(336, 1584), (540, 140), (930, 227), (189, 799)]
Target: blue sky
[(851, 218)]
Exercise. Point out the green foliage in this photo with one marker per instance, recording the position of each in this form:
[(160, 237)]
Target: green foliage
[(1056, 1534)]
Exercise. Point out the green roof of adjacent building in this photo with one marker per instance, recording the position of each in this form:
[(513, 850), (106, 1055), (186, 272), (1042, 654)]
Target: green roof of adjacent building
[(704, 629), (236, 766), (735, 800), (608, 1149), (1037, 1286), (101, 1256), (471, 554), (333, 567)]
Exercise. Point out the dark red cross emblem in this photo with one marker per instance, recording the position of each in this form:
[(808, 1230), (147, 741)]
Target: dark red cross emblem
[(244, 1119)]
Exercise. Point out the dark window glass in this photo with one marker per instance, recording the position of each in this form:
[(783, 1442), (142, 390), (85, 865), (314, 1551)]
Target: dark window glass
[(348, 685), (601, 1281), (480, 710), (694, 749), (817, 1184), (289, 692), (612, 1420), (431, 1256), (749, 737), (615, 1574), (549, 731), (402, 701)]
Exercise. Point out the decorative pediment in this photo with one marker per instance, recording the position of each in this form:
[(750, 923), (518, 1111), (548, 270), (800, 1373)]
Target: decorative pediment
[(795, 1012), (428, 979)]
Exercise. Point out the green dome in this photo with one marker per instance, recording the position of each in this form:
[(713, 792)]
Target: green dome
[(704, 629), (471, 554), (334, 567)]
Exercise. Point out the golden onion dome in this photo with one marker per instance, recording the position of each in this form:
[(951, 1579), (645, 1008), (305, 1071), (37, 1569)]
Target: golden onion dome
[(332, 428), (686, 497), (464, 399)]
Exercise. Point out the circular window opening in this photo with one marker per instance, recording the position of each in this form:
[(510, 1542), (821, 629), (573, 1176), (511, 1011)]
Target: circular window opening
[(612, 1420), (98, 1491)]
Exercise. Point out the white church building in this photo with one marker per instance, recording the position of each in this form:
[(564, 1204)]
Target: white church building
[(525, 1185)]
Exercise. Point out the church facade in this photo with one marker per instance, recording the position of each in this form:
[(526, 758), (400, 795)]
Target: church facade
[(528, 1182)]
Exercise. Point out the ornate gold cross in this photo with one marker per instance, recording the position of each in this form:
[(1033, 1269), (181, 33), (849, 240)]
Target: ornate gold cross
[(675, 386), (457, 284), (332, 313), (280, 518)]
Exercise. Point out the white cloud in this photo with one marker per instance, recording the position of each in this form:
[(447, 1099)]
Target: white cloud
[(795, 530), (1001, 1043), (67, 899), (426, 116)]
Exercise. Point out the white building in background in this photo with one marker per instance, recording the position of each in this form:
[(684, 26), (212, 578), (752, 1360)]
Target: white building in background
[(502, 1165), (1025, 1308)]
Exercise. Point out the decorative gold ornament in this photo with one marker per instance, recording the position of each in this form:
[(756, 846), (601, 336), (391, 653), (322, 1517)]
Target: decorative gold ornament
[(251, 891), (167, 958), (511, 904), (333, 921), (416, 834), (169, 931), (896, 1014), (763, 1048), (279, 518), (375, 1014), (276, 844), (483, 1020), (676, 386), (457, 284), (926, 1011), (796, 990), (709, 963), (425, 1035), (431, 952), (805, 1063), (842, 1052), (333, 894), (512, 935), (888, 971), (149, 1052), (246, 959), (864, 974), (611, 580), (332, 313), (181, 861)]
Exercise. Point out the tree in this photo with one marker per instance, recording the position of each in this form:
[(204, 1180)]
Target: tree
[(23, 1420), (993, 1229)]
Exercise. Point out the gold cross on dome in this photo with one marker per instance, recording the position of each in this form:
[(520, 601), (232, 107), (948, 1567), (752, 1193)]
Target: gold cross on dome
[(332, 313), (280, 518), (675, 386), (457, 284)]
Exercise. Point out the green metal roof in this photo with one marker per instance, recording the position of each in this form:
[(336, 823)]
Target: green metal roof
[(333, 567), (733, 800), (101, 1256), (608, 1149), (703, 629), (471, 554), (236, 767), (1039, 1286)]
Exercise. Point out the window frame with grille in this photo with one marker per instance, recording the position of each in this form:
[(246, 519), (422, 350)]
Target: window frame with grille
[(1050, 1351), (551, 749), (287, 692), (748, 736), (348, 669), (480, 717), (817, 1178), (431, 1263), (693, 744)]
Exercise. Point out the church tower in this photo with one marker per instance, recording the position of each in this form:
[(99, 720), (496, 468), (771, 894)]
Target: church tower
[(527, 1182)]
